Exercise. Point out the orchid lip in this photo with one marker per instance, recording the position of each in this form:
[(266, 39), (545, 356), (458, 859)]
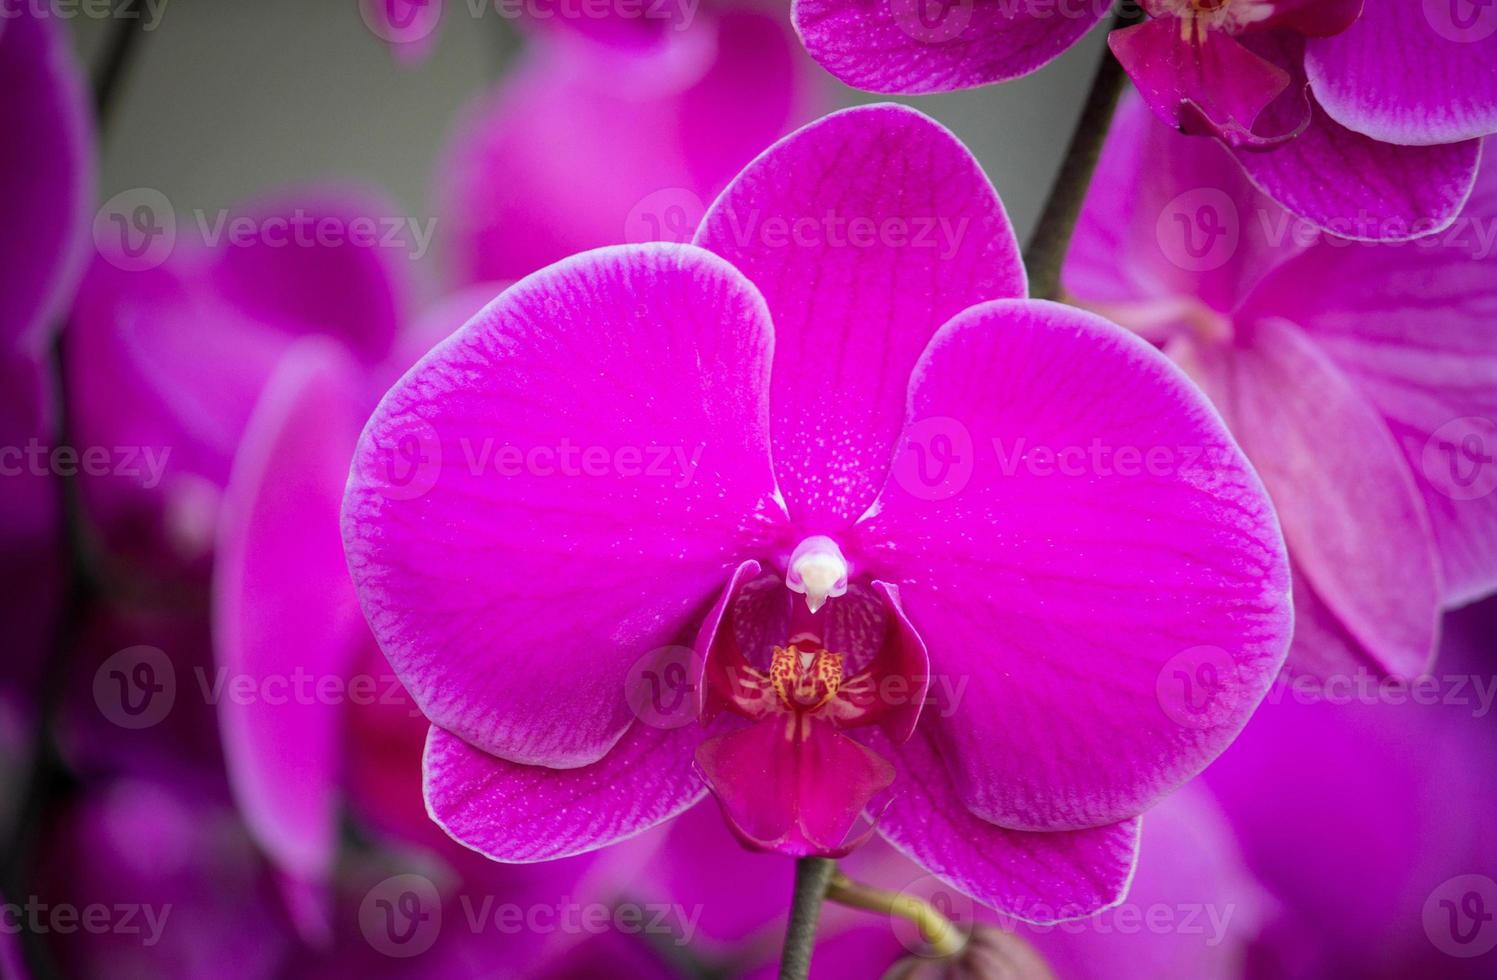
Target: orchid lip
[(817, 571)]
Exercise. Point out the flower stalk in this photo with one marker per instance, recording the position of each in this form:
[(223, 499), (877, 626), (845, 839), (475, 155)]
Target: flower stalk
[(1052, 236), (812, 876), (945, 938)]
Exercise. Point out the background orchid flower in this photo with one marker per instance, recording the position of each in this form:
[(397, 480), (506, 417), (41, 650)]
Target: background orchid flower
[(603, 142), (170, 352), (1364, 122), (837, 301), (47, 170), (1359, 897), (284, 608), (1360, 379)]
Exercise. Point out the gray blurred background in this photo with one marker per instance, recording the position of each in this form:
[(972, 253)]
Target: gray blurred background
[(226, 98)]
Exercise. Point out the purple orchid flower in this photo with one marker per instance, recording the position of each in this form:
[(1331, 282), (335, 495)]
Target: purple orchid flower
[(1366, 125), (692, 444), (284, 608), (171, 349), (1399, 893), (185, 892), (669, 123), (46, 167), (1360, 378)]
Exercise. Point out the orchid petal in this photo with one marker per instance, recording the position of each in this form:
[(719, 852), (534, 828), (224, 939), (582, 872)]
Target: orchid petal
[(1348, 503), (912, 46), (1211, 86), (519, 814), (1069, 588), (530, 512), (864, 231), (279, 523), (1036, 877), (1418, 73), (46, 168), (1413, 329)]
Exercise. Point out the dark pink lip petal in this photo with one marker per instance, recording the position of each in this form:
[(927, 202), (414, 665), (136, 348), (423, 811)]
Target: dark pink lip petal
[(911, 46), (513, 582), (1063, 586), (279, 524), (1347, 500), (795, 794), (1036, 877), (47, 170), (1210, 85), (519, 814), (1411, 73), (851, 315), (1195, 232)]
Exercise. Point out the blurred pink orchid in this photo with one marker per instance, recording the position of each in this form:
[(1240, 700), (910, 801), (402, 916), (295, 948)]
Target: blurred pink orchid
[(603, 140), (513, 591), (171, 348), (1360, 378)]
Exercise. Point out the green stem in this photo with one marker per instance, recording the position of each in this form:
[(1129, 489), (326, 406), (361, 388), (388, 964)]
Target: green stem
[(1052, 236), (812, 875)]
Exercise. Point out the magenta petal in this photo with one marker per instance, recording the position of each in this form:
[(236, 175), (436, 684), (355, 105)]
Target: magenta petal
[(1416, 72), (320, 265), (1172, 230), (285, 616), (1357, 187), (792, 785), (913, 47), (601, 147), (1215, 86), (1082, 527), (1348, 503), (1314, 18), (560, 488), (46, 168), (1412, 329), (520, 814), (865, 231), (1037, 877)]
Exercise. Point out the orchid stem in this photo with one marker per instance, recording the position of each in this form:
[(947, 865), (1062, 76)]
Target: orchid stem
[(944, 937), (812, 875), (1052, 236)]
